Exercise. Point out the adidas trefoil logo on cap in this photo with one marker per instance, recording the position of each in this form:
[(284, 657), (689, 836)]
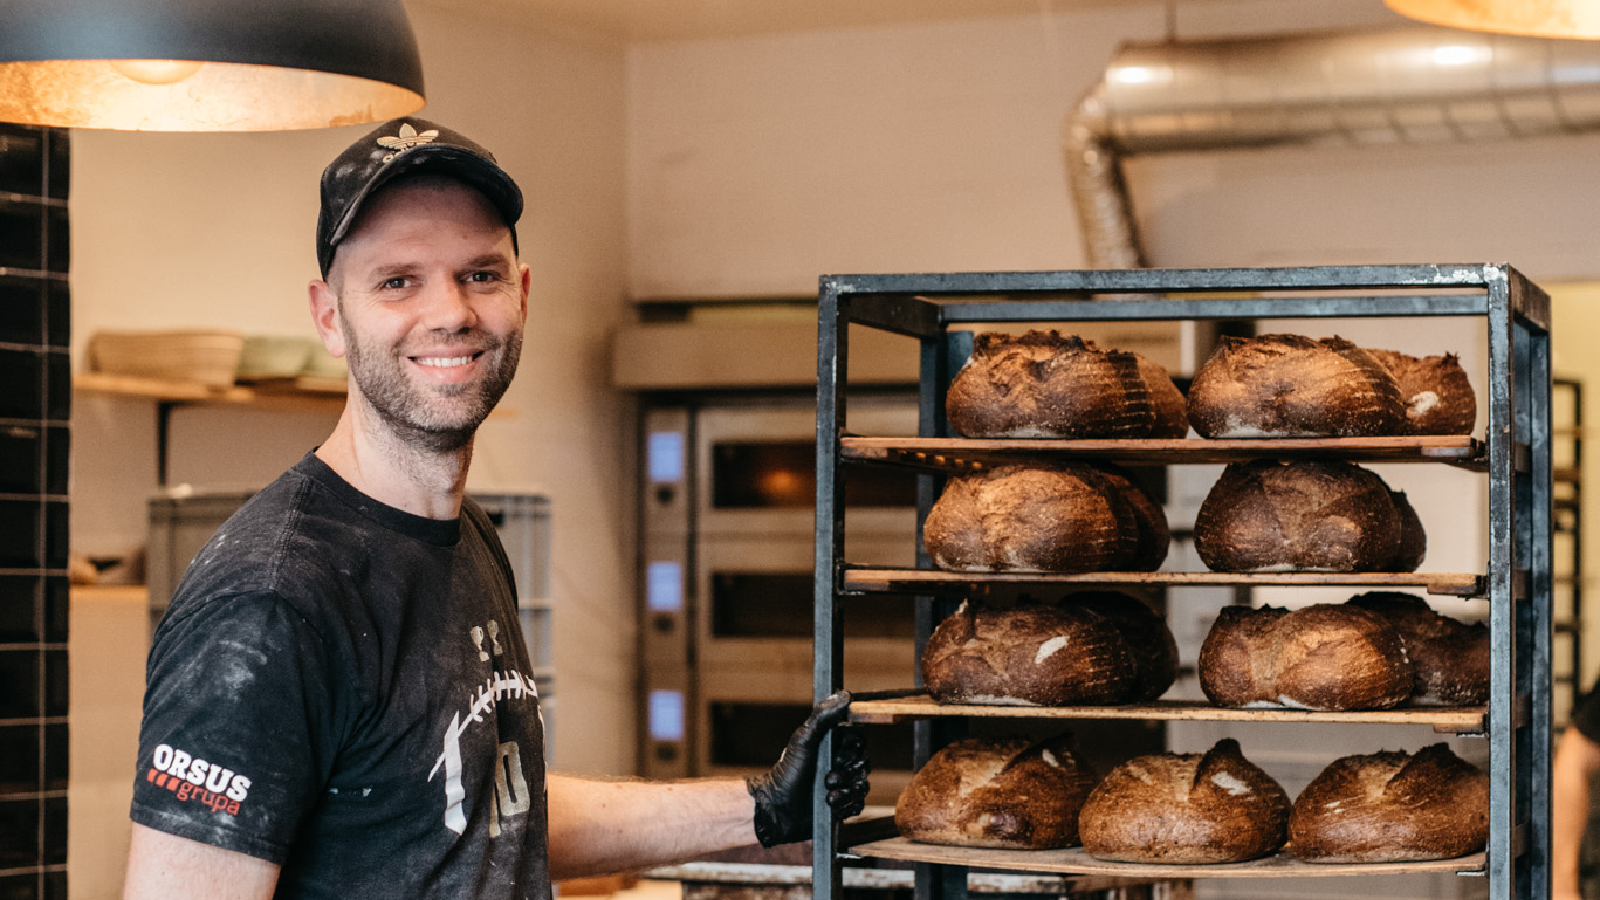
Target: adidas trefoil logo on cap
[(407, 138)]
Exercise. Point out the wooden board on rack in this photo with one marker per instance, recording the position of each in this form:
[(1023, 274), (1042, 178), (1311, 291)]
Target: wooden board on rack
[(974, 454), (901, 581), (1074, 859), (1448, 719)]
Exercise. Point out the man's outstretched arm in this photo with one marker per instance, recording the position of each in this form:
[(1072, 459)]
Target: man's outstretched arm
[(598, 827)]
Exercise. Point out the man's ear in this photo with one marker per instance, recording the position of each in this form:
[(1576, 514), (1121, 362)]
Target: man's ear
[(527, 284), (325, 315)]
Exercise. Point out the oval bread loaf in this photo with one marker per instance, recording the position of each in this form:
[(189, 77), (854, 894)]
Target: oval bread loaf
[(1006, 794)]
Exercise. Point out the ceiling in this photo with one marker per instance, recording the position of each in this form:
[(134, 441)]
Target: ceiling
[(657, 20)]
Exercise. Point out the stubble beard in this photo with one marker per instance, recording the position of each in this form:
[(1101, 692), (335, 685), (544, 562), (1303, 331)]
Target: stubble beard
[(435, 418)]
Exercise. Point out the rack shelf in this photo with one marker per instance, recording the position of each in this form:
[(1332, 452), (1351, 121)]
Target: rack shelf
[(1278, 865), (969, 454), (1444, 719), (923, 581)]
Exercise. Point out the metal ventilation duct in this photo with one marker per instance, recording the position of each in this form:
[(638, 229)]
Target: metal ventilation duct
[(1412, 85)]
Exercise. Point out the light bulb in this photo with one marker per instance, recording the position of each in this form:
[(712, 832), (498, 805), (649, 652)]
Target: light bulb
[(156, 71)]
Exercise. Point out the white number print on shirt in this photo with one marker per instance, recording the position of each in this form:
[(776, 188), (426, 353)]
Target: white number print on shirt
[(511, 786)]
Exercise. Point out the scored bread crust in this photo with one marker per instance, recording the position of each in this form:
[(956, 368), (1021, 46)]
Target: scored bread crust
[(1309, 514), (1449, 658), (1288, 385), (1392, 806), (1045, 385), (1185, 808), (1008, 794), (1045, 519), (1030, 655), (1326, 656), (1437, 395)]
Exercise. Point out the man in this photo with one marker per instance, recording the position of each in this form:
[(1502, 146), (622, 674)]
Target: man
[(1576, 762), (338, 703)]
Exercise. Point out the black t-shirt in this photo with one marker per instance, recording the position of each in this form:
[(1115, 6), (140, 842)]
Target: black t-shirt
[(341, 688), (1586, 715)]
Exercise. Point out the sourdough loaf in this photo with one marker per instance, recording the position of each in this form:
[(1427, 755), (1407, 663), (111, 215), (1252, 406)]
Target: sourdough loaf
[(1044, 385), (1045, 519), (1185, 808), (1287, 385), (1449, 658), (1029, 655), (1438, 397), (1326, 515), (1321, 657), (1007, 794), (1392, 806)]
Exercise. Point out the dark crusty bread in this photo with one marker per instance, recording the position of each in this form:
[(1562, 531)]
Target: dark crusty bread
[(1007, 794), (1150, 641), (1185, 808), (1030, 655), (1412, 548), (1287, 385), (1391, 806), (1044, 385), (1045, 519), (1449, 658), (1323, 657), (1310, 514), (1438, 397)]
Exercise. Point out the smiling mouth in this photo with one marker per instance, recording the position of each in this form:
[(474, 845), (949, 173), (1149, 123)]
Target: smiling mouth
[(445, 361)]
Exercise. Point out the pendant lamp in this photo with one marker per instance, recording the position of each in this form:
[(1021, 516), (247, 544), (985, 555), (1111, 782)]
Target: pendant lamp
[(206, 65), (1535, 18)]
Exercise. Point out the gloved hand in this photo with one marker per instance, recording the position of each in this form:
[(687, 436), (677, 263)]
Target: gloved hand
[(783, 795)]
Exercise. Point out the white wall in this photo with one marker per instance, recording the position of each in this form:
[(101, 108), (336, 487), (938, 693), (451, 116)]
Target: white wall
[(207, 230)]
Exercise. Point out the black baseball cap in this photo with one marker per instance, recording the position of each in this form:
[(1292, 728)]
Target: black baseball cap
[(406, 146)]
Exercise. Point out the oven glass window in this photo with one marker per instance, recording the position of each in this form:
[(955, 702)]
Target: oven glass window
[(783, 475), (778, 605)]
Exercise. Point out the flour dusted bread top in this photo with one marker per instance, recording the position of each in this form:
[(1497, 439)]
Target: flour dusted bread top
[(1449, 658), (1436, 394), (1288, 385), (1392, 806), (1185, 808), (1323, 657), (1011, 794), (1045, 385), (1326, 515), (1068, 518)]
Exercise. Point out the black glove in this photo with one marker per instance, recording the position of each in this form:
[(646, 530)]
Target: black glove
[(783, 795)]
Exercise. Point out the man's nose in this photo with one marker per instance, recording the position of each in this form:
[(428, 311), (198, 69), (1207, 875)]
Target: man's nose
[(449, 307)]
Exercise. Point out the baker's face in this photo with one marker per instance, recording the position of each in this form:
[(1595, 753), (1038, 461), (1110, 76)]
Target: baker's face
[(430, 305)]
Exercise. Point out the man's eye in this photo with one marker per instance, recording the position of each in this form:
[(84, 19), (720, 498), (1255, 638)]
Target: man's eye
[(484, 277), (396, 283)]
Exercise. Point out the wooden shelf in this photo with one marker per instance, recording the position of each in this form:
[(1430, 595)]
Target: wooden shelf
[(274, 392), (1444, 719), (912, 581), (1075, 860), (973, 455)]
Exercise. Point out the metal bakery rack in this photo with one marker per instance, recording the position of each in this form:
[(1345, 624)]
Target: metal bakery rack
[(941, 311)]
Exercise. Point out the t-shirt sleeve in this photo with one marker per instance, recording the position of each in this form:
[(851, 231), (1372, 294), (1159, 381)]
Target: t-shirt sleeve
[(238, 725)]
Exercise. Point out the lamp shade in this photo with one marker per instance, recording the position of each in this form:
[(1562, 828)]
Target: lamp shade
[(1536, 18), (262, 64)]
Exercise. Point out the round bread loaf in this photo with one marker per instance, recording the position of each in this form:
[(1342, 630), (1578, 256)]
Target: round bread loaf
[(1044, 519), (1449, 658), (1438, 397), (1392, 807), (1030, 655), (1287, 385), (1150, 641), (1006, 794), (1044, 385), (1322, 657), (1328, 515), (1185, 808)]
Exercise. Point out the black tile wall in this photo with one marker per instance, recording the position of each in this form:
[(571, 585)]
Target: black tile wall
[(35, 405)]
